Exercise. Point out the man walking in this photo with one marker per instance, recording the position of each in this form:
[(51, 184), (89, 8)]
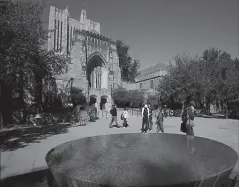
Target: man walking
[(113, 112), (145, 120), (150, 118)]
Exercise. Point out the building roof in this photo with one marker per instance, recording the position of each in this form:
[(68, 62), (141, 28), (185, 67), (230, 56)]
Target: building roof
[(153, 69)]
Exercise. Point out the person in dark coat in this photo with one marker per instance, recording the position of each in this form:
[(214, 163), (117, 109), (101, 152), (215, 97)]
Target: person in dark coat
[(113, 112), (145, 120)]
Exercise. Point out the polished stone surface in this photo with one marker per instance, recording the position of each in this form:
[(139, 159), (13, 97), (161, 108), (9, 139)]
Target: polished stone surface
[(139, 160)]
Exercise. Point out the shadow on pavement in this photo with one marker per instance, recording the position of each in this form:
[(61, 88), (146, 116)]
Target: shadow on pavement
[(21, 137), (41, 178)]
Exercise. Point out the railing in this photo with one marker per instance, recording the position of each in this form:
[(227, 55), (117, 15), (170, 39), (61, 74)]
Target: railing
[(104, 114), (133, 112)]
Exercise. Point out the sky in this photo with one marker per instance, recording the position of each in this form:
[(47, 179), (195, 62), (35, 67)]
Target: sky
[(157, 30)]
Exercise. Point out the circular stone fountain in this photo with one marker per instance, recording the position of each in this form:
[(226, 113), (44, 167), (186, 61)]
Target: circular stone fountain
[(140, 160)]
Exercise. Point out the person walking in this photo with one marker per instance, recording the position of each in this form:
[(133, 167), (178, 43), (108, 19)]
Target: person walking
[(113, 112), (145, 118), (188, 121), (150, 118), (160, 120), (124, 117)]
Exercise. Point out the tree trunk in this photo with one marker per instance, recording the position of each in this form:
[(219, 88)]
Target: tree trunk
[(38, 92), (226, 108), (6, 104), (21, 96)]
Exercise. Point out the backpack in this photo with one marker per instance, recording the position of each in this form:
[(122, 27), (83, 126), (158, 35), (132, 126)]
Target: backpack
[(146, 113), (122, 116), (111, 111), (185, 116), (191, 114)]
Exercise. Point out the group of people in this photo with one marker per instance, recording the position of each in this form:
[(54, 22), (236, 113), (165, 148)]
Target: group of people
[(124, 117), (147, 118), (187, 124)]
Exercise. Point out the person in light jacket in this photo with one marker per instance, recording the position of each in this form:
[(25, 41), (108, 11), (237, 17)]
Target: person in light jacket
[(125, 115)]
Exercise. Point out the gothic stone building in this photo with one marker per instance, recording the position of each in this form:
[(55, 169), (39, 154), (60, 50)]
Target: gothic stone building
[(91, 53), (149, 78)]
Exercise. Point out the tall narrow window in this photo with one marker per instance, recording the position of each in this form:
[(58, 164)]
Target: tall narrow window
[(83, 46), (83, 68), (100, 80), (151, 84), (70, 38), (61, 38), (58, 37), (96, 76), (55, 36), (110, 52), (67, 45)]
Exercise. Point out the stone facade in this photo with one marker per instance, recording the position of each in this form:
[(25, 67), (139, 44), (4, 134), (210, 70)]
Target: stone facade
[(149, 78), (94, 60)]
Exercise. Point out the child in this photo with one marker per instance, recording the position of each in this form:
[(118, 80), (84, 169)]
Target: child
[(159, 121), (124, 116)]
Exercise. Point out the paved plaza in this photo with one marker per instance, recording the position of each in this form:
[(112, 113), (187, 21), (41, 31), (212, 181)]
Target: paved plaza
[(32, 156)]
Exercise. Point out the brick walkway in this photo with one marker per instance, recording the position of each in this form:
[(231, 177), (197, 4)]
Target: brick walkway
[(32, 157)]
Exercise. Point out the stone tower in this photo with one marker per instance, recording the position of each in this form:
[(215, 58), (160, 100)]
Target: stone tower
[(91, 53)]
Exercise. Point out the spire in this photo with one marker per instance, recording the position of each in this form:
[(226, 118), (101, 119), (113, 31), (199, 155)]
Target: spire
[(84, 5), (83, 16)]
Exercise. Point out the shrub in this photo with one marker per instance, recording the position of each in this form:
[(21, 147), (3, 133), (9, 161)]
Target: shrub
[(154, 101), (128, 98), (77, 96)]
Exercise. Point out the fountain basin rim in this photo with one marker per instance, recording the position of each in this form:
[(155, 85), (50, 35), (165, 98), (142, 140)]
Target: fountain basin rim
[(186, 181)]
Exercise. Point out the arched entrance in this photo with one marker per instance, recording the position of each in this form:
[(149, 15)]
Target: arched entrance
[(93, 100), (96, 72), (103, 101)]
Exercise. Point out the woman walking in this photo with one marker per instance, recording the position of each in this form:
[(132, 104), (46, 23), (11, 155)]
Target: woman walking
[(159, 121), (188, 121)]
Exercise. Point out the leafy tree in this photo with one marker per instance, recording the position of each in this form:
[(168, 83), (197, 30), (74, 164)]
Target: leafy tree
[(128, 98), (154, 100), (77, 96), (213, 78), (136, 98), (177, 82), (133, 71), (25, 64), (121, 97), (129, 68)]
